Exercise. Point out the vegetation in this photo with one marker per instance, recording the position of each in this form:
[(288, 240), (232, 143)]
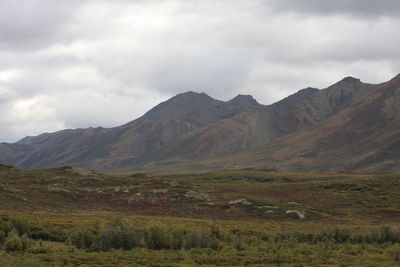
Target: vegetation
[(120, 235), (117, 241), (69, 217)]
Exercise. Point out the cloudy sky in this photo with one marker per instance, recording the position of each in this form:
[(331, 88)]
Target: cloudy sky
[(77, 63)]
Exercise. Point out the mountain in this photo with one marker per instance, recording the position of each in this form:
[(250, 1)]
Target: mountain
[(248, 130), (117, 147), (364, 136), (349, 126), (353, 127)]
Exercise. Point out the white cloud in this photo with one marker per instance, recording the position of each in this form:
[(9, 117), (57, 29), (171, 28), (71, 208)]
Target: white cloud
[(103, 63)]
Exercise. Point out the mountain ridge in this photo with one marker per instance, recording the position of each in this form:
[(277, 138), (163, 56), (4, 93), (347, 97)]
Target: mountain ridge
[(194, 127)]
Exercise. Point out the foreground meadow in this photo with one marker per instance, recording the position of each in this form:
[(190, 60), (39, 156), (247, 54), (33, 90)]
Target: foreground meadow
[(72, 217)]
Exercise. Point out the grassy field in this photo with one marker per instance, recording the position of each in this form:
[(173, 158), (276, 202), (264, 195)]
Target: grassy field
[(228, 218)]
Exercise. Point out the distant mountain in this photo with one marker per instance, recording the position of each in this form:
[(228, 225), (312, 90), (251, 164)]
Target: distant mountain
[(363, 135), (349, 126), (131, 143), (352, 127)]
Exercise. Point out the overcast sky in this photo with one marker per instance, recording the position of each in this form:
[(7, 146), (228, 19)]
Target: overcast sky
[(77, 63)]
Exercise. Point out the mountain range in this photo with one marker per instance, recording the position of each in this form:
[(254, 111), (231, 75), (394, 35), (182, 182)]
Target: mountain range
[(349, 126)]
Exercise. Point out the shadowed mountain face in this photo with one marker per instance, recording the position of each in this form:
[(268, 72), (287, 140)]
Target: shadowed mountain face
[(347, 126), (112, 148)]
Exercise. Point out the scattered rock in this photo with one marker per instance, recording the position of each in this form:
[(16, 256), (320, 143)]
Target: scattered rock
[(240, 202), (268, 207), (173, 183), (135, 198), (198, 195), (299, 213), (159, 191), (88, 189)]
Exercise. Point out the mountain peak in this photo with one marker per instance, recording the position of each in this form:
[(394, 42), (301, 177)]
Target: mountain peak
[(349, 84), (191, 97), (192, 94), (308, 90), (182, 104), (243, 100), (292, 100), (348, 80)]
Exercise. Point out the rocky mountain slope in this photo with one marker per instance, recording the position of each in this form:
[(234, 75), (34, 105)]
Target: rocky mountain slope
[(111, 148), (364, 136), (347, 126), (358, 131)]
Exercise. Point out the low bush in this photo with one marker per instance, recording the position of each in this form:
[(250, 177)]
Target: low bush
[(15, 242), (382, 235), (116, 234), (2, 237), (21, 225), (39, 248), (5, 228), (48, 234), (159, 237), (14, 230), (120, 235)]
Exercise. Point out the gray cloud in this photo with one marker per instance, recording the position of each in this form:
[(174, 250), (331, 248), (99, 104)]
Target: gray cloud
[(68, 64), (365, 8), (27, 24)]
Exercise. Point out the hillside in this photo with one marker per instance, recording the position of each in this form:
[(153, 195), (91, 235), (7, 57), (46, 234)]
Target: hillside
[(230, 195), (111, 148), (348, 126), (364, 137)]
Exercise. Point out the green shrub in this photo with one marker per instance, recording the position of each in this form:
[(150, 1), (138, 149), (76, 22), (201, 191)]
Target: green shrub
[(158, 237), (389, 235), (16, 243), (48, 234), (115, 235), (4, 229), (338, 235), (82, 238), (5, 225), (120, 235), (13, 244), (2, 237), (39, 248), (200, 239), (21, 225)]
